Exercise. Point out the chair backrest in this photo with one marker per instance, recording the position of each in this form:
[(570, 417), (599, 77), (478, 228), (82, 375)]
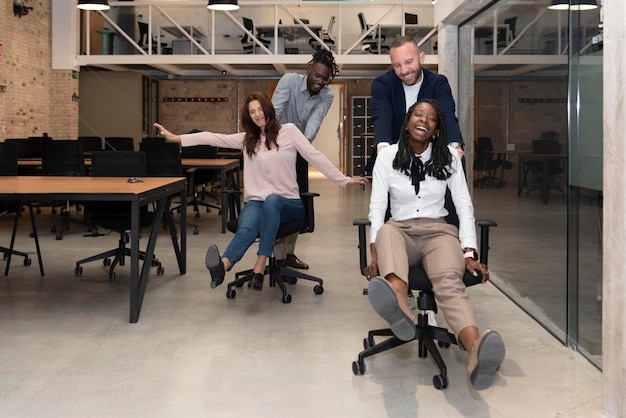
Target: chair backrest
[(511, 21), (143, 34), (23, 145), (363, 22), (157, 139), (162, 159), (199, 151), (37, 143), (119, 164), (119, 143), (8, 159), (90, 143), (63, 158), (248, 24), (331, 25)]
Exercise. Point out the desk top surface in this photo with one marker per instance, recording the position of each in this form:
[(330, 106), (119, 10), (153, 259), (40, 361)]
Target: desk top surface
[(210, 162), (25, 185)]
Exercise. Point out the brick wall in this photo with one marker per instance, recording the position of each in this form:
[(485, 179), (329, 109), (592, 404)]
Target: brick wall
[(35, 98)]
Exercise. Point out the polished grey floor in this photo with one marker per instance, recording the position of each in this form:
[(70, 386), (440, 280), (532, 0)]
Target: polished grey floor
[(68, 350)]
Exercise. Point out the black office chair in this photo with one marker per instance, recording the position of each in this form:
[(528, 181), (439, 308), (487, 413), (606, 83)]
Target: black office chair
[(425, 334), (273, 270), (164, 160), (119, 143), (8, 167), (116, 216), (246, 42), (37, 144), (90, 143), (549, 144), (369, 44), (505, 35), (24, 150), (62, 158), (327, 37), (144, 37), (205, 180), (485, 164)]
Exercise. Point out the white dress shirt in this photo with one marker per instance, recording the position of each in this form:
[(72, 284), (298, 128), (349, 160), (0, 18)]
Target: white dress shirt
[(387, 182)]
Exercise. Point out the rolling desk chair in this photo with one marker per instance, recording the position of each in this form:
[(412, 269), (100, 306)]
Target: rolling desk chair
[(425, 334), (273, 270), (163, 159), (326, 36), (370, 42), (90, 143), (116, 216), (247, 43), (203, 179), (485, 163), (63, 158)]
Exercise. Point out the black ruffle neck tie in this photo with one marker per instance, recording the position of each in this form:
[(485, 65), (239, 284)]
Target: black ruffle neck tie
[(418, 172)]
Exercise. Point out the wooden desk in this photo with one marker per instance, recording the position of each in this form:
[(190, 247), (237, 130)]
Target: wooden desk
[(229, 174), (525, 159), (117, 189)]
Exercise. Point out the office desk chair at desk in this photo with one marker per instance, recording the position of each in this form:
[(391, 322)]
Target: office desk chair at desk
[(425, 334)]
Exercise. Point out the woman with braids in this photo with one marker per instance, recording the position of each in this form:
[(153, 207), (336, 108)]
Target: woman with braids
[(270, 189), (411, 177), (304, 101)]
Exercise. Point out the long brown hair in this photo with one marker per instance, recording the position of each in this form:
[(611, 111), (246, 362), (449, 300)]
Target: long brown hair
[(253, 132)]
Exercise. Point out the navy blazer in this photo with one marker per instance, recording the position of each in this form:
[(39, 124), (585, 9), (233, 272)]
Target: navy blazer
[(388, 107)]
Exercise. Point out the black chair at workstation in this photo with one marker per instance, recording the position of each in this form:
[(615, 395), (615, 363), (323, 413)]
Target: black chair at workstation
[(247, 42), (116, 216), (24, 150), (486, 164), (326, 36), (63, 158), (144, 38), (90, 143), (278, 274), (8, 167), (546, 177), (425, 334), (119, 143), (163, 159), (206, 180), (371, 41)]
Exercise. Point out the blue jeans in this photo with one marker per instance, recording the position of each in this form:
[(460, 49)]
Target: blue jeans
[(261, 219)]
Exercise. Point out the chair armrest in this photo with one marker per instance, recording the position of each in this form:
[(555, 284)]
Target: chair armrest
[(484, 225), (362, 223), (309, 211)]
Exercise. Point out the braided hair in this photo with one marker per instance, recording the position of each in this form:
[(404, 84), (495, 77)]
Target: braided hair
[(326, 57), (439, 164)]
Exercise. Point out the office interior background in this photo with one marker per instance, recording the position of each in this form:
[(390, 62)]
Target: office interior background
[(520, 72)]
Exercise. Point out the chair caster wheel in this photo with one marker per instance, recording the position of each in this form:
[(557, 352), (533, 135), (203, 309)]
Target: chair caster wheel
[(106, 262), (358, 368), (440, 381), (59, 236), (443, 344), (27, 261), (160, 270), (319, 289), (368, 343), (287, 298), (231, 293), (196, 231), (78, 271)]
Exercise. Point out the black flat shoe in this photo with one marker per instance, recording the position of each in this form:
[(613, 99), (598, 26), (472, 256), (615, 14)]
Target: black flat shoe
[(214, 263), (256, 282)]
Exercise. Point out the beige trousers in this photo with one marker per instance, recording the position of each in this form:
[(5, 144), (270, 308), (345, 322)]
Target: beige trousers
[(435, 245)]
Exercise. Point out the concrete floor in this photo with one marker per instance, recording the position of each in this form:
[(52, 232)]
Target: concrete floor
[(68, 349)]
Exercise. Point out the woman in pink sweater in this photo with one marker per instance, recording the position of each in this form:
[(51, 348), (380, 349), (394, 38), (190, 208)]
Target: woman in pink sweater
[(271, 192)]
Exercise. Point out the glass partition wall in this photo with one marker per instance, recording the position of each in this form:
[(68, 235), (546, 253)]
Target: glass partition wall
[(538, 105)]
